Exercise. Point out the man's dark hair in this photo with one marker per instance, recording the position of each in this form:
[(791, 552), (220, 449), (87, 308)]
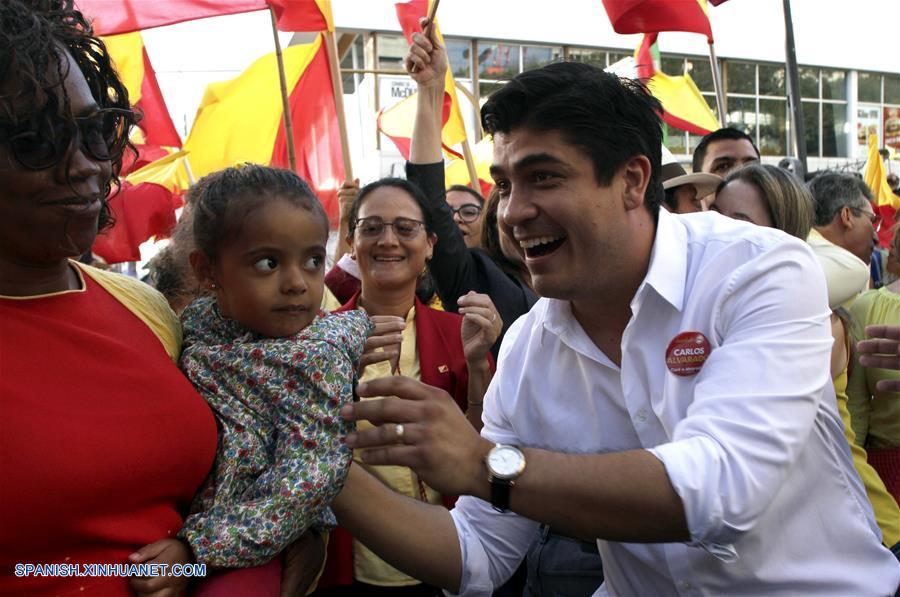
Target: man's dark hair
[(34, 38), (727, 133), (611, 119), (464, 189), (831, 191)]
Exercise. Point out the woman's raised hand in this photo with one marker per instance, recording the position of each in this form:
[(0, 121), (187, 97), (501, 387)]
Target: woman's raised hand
[(481, 325), (384, 342), (426, 60)]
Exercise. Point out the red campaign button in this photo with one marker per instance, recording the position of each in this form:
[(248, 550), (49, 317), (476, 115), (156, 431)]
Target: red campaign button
[(686, 353)]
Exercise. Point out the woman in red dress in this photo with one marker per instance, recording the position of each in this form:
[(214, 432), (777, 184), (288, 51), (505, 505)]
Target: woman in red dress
[(103, 441)]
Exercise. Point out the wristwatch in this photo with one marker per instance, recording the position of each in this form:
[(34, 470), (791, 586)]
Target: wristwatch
[(505, 464)]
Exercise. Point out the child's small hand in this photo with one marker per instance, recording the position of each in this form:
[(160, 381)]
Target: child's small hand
[(165, 551)]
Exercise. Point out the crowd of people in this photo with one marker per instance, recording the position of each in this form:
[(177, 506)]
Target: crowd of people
[(608, 377)]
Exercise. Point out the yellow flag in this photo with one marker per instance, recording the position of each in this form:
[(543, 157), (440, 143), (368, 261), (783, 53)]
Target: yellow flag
[(127, 53), (168, 172), (238, 120), (457, 172), (684, 106), (876, 178)]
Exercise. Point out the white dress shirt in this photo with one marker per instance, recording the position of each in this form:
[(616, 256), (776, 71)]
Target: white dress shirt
[(752, 443)]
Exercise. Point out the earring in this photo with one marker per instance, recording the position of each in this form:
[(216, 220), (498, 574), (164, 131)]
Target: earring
[(212, 285)]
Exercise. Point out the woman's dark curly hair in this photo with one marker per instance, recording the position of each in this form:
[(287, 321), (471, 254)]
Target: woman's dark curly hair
[(34, 37)]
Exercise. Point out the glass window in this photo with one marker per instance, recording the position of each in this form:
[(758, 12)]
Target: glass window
[(771, 80), (809, 82), (391, 50), (772, 127), (701, 73), (834, 130), (458, 51), (675, 140), (614, 57), (742, 114), (354, 58), (594, 57), (892, 89), (538, 56), (486, 89), (811, 127), (869, 87), (673, 66), (834, 84), (693, 142), (741, 77), (498, 61)]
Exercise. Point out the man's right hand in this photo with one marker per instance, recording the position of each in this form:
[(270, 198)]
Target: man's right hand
[(428, 56), (437, 442)]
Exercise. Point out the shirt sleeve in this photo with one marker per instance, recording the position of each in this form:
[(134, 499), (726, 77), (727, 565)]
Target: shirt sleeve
[(451, 266), (747, 425), (492, 543), (309, 384)]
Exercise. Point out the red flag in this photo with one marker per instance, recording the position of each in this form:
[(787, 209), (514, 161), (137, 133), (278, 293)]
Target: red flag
[(409, 13), (888, 221), (653, 16), (396, 122), (317, 139), (123, 16), (156, 123), (141, 212)]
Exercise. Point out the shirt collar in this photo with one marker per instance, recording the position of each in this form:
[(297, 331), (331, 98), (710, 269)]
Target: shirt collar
[(666, 275), (668, 260)]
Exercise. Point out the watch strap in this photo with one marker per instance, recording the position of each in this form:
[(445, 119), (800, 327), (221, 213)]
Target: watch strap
[(500, 490)]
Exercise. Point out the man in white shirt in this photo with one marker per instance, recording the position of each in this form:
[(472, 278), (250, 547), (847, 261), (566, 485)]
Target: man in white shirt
[(670, 398)]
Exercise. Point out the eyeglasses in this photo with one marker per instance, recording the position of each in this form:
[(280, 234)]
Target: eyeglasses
[(876, 219), (373, 227), (100, 136), (468, 213)]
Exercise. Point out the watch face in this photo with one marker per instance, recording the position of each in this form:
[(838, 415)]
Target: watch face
[(506, 462)]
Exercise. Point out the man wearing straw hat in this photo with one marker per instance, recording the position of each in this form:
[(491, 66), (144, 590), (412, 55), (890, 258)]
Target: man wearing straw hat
[(686, 193)]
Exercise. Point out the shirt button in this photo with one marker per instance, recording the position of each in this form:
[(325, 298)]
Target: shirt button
[(686, 585), (641, 415)]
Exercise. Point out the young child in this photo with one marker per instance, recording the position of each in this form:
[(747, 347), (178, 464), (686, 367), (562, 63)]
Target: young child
[(274, 369)]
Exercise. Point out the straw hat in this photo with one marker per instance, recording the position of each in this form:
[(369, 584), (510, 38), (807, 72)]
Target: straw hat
[(674, 175)]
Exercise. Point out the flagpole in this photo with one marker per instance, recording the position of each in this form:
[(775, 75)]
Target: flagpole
[(717, 83), (337, 86), (470, 164), (793, 78), (285, 100)]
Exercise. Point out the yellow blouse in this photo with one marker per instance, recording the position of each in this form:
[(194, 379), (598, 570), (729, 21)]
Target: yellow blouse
[(367, 567), (875, 414)]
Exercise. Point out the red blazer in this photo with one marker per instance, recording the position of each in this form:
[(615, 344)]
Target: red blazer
[(442, 364)]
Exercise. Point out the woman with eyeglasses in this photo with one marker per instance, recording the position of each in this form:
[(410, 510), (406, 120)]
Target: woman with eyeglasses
[(103, 441), (458, 267), (467, 206), (392, 239)]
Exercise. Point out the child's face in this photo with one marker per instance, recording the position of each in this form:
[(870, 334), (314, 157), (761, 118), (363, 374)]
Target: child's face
[(270, 278)]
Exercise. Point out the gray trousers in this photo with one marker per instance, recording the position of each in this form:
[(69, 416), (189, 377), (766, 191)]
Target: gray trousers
[(560, 566)]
